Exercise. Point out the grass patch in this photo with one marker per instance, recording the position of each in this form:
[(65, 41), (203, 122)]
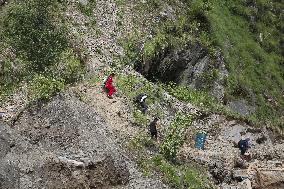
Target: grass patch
[(132, 86), (139, 118), (199, 98), (252, 64), (181, 176), (87, 9), (208, 103)]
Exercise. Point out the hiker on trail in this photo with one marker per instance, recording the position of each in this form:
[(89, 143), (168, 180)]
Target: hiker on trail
[(243, 145), (109, 87), (153, 129), (140, 99)]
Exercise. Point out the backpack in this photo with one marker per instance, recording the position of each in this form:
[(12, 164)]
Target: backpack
[(243, 144)]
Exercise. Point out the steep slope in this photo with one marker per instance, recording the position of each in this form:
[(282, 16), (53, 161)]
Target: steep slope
[(65, 144), (81, 133)]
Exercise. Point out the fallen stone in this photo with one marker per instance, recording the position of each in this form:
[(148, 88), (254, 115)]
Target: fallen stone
[(245, 184), (71, 162)]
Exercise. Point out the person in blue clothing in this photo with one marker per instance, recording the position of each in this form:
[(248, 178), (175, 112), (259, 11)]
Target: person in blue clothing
[(243, 145)]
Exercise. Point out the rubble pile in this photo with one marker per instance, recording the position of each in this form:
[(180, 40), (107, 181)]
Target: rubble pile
[(262, 167)]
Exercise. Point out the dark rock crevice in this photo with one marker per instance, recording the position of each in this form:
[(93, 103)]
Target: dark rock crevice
[(190, 66)]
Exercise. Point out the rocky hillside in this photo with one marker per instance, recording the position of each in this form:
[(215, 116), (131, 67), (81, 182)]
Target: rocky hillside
[(59, 130)]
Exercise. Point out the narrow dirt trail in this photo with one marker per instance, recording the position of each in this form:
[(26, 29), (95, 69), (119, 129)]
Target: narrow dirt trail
[(116, 112)]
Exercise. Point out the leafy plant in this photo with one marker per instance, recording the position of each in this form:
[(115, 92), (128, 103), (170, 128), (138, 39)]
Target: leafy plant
[(35, 50), (42, 88), (29, 27), (175, 135)]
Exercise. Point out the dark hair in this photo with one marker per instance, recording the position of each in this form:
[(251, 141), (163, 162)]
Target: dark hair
[(156, 119), (112, 74)]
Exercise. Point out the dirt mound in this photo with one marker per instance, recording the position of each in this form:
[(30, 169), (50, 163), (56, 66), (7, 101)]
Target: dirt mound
[(65, 144)]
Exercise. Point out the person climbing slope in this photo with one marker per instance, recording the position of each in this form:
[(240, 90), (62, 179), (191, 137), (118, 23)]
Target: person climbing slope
[(243, 145), (108, 85), (140, 99), (153, 128)]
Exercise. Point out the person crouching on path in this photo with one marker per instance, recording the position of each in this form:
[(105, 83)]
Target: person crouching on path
[(153, 129), (243, 145), (140, 99), (109, 87)]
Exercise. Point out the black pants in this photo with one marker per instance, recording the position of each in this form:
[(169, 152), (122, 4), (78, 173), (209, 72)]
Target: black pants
[(243, 150), (154, 135), (144, 107)]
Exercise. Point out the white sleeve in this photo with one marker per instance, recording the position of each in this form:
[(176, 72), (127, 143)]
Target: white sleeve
[(143, 97)]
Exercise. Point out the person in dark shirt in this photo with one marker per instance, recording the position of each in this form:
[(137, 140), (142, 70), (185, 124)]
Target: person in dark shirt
[(243, 145), (153, 128), (140, 99)]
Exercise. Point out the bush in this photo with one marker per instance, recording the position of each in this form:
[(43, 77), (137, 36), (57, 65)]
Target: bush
[(175, 135), (29, 27), (42, 88), (34, 49), (181, 176)]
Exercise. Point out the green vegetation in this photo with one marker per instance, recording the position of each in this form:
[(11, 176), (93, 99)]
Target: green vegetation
[(35, 50), (199, 98), (178, 176), (133, 86), (181, 176), (175, 136), (169, 36), (43, 87), (88, 8), (207, 102), (249, 33), (140, 142), (140, 118)]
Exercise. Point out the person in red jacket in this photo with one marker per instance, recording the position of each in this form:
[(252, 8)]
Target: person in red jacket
[(109, 87)]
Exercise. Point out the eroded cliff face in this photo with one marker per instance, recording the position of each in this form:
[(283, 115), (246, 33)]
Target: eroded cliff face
[(64, 144)]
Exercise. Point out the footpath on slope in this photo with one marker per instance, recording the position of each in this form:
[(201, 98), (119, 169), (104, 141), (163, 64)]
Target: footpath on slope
[(65, 144), (220, 155)]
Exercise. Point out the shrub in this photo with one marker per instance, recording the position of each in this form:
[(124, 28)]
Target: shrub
[(175, 135), (34, 49), (181, 176), (42, 87), (29, 28)]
